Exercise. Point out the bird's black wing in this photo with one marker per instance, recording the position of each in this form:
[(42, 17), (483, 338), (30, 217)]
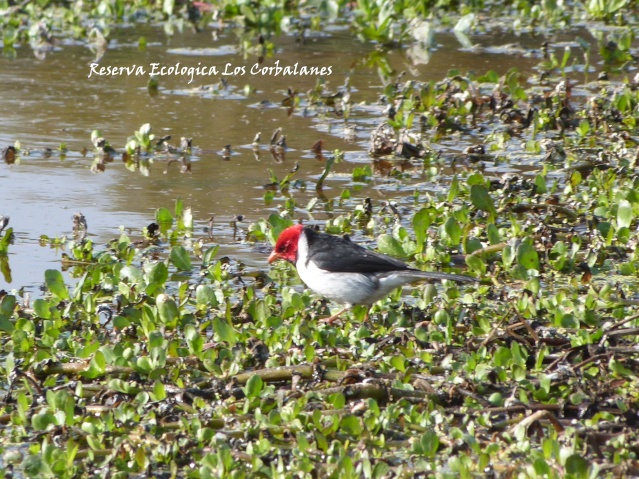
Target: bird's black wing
[(341, 255)]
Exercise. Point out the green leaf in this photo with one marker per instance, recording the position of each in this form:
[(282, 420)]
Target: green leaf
[(541, 467), (193, 339), (337, 400), (577, 466), (41, 308), (97, 366), (508, 256), (476, 179), (583, 128), (527, 256), (168, 6), (465, 23), (157, 276), (205, 297), (144, 365), (624, 214), (422, 334), (9, 364), (453, 230), (120, 322), (623, 235), (429, 443), (327, 169), (502, 357), (179, 207), (5, 240), (320, 439), (132, 273), (493, 234), (475, 263), (88, 350), (248, 13), (398, 362), (159, 392), (163, 215), (351, 425), (55, 283), (362, 173), (180, 258), (254, 386), (481, 199), (168, 310), (540, 185), (156, 340), (453, 189), (123, 386), (187, 218), (164, 219), (5, 269), (277, 224), (7, 306), (618, 368), (421, 222), (302, 441), (210, 254), (43, 421), (388, 245), (380, 470), (224, 331), (145, 130), (472, 245)]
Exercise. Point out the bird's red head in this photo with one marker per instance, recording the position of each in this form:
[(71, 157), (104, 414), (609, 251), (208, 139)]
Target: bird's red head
[(286, 246)]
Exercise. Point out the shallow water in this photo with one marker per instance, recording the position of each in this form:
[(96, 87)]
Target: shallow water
[(52, 101)]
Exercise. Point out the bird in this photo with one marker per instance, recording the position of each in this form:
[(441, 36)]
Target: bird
[(345, 272)]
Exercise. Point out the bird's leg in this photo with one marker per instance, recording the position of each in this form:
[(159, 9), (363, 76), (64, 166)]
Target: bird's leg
[(333, 318)]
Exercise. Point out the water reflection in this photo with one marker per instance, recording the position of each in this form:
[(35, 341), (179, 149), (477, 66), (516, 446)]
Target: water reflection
[(9, 155)]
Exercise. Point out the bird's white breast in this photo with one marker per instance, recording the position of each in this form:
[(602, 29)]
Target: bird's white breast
[(344, 288)]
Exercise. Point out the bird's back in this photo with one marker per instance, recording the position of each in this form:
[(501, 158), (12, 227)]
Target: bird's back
[(340, 255)]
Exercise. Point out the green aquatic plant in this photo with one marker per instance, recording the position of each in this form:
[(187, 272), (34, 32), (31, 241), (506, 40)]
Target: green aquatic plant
[(9, 37), (142, 140), (606, 10), (179, 225), (615, 48), (137, 328), (6, 239), (386, 22)]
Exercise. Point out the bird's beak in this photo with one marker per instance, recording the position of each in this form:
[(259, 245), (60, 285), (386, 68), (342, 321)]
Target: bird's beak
[(273, 257)]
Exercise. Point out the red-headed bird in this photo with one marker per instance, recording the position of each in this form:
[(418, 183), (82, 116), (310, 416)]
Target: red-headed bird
[(344, 272)]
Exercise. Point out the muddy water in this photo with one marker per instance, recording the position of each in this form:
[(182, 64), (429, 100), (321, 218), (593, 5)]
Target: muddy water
[(46, 103)]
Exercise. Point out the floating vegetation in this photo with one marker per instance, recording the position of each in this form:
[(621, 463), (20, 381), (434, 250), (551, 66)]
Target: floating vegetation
[(194, 349)]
